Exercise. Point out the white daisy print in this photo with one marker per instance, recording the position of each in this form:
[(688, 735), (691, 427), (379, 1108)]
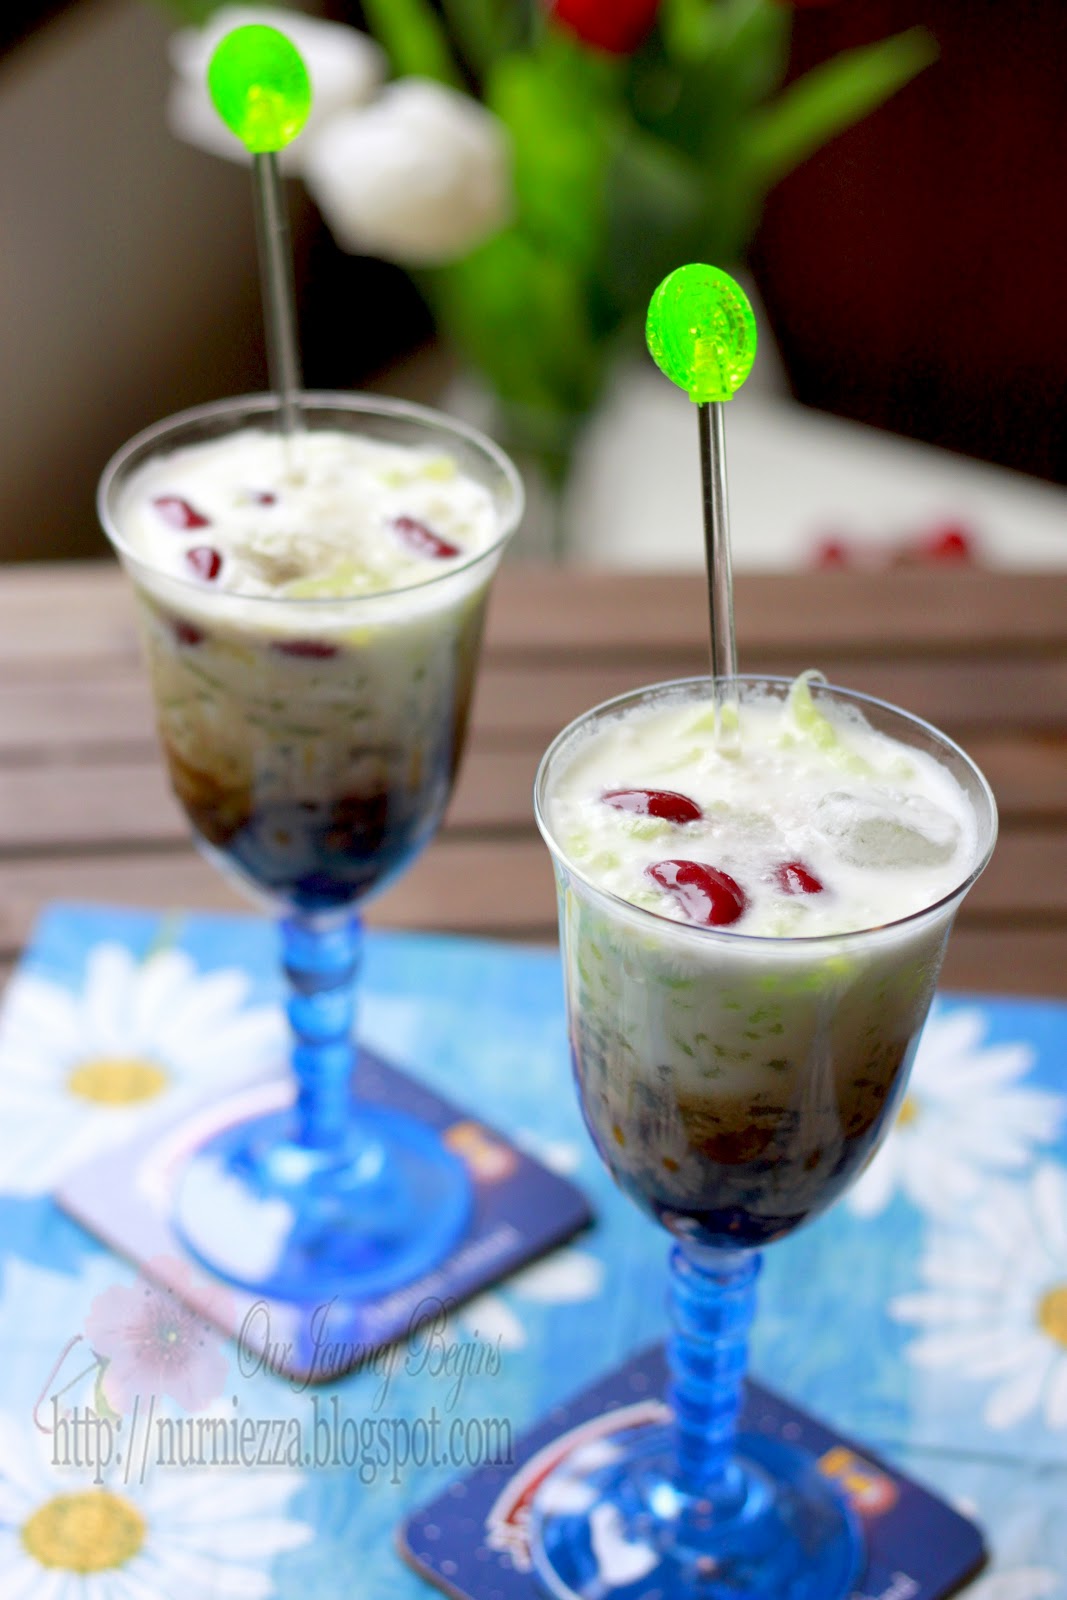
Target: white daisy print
[(200, 1534), (966, 1117), (78, 1071), (994, 1309)]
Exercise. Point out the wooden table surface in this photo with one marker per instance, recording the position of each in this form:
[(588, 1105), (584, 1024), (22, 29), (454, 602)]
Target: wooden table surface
[(85, 812)]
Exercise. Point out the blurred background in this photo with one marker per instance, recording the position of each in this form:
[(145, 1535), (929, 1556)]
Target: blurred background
[(909, 274)]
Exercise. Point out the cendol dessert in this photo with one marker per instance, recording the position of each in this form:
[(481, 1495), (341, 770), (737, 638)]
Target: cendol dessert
[(739, 1039), (312, 607)]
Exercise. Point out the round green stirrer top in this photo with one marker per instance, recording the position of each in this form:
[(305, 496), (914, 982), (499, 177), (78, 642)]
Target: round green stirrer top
[(260, 88), (701, 332)]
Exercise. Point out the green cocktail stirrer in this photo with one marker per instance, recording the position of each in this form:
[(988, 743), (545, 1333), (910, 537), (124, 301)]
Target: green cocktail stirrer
[(702, 333), (260, 88)]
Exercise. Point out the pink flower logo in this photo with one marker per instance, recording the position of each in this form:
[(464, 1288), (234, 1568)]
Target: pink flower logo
[(153, 1338)]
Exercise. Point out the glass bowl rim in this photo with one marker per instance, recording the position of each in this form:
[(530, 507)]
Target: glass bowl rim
[(723, 937), (357, 402)]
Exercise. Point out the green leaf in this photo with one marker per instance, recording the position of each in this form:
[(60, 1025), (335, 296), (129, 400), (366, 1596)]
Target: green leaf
[(482, 29), (831, 98), (519, 316), (746, 38), (655, 202), (754, 49), (413, 37), (696, 83), (690, 28), (561, 125)]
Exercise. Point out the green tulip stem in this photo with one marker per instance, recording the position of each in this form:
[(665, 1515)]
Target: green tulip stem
[(716, 506)]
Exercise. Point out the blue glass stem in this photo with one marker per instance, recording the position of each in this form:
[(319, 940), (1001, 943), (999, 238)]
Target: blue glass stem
[(321, 961), (712, 1302)]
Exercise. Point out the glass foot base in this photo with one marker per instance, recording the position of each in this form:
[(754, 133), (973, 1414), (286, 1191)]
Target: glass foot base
[(291, 1223), (609, 1524)]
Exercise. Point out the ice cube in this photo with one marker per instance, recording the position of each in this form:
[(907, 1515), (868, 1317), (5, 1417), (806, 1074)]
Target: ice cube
[(883, 829)]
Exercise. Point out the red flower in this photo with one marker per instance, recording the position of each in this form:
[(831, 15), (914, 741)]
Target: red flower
[(617, 26)]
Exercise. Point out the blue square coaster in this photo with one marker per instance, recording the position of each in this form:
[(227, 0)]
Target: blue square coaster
[(473, 1542), (125, 1193)]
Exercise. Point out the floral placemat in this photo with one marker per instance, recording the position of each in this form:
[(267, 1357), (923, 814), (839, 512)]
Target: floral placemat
[(142, 1458)]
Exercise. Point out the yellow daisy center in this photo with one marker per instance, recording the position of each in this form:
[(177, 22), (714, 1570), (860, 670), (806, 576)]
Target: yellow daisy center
[(95, 1531), (117, 1080), (1052, 1314), (908, 1113)]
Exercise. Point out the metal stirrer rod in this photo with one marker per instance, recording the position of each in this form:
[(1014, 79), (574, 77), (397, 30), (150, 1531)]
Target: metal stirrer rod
[(259, 86), (716, 507), (702, 334), (279, 294)]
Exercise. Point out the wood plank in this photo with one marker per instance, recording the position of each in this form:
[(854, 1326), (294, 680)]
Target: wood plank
[(963, 696), (1027, 878), (59, 613), (520, 704), (503, 885), (138, 878), (66, 803), (76, 714), (124, 803), (935, 611), (463, 887), (53, 615), (65, 806), (471, 885), (1028, 775), (995, 960), (85, 811)]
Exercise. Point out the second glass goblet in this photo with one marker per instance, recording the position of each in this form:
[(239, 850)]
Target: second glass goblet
[(734, 1086), (313, 744)]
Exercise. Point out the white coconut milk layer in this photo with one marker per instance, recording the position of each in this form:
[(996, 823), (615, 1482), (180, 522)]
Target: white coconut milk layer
[(883, 829)]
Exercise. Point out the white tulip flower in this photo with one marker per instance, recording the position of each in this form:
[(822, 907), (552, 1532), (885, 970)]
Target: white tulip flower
[(419, 177), (346, 68)]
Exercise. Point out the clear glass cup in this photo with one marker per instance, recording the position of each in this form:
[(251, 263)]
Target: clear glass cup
[(313, 744), (734, 1086)]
